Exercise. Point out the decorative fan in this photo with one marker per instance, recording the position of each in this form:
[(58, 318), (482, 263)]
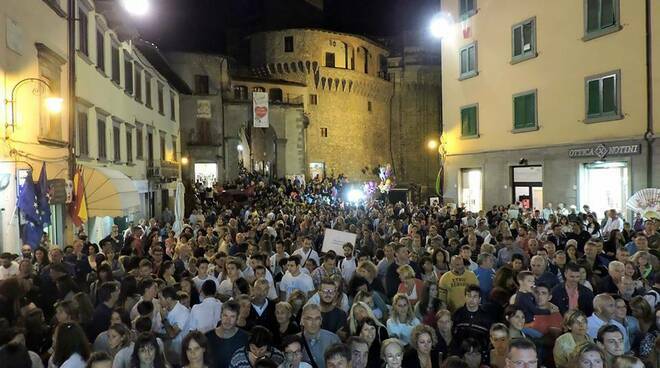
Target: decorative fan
[(646, 202)]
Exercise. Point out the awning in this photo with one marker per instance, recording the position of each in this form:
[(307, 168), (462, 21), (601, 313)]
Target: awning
[(109, 193)]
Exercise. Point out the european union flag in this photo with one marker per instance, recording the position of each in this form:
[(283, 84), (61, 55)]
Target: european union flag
[(27, 200), (43, 197), (32, 234)]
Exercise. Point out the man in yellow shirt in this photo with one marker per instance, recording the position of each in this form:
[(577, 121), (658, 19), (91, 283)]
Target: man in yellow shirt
[(452, 284)]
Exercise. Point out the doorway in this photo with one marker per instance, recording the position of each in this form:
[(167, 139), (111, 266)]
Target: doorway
[(471, 189), (527, 186), (206, 173), (604, 186)]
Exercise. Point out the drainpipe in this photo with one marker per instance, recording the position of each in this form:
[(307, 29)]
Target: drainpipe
[(649, 136), (71, 34)]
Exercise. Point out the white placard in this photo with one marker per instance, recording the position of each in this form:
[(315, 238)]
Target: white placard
[(260, 109), (204, 109), (335, 240), (434, 201)]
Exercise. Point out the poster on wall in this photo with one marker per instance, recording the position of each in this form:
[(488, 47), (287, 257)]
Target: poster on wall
[(260, 109)]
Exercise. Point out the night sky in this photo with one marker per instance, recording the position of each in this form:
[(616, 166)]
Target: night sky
[(202, 25)]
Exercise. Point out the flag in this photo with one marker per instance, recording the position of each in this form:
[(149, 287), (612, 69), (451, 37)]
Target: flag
[(78, 207), (43, 196), (32, 230), (27, 200)]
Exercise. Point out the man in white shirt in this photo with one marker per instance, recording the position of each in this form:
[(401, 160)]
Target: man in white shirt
[(613, 223), (348, 265), (175, 324), (8, 268), (204, 316), (203, 275), (294, 279), (306, 252)]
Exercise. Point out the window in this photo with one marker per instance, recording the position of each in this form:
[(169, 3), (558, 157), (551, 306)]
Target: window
[(100, 50), (288, 44), (240, 92), (523, 38), (147, 90), (324, 132), (129, 144), (369, 106), (470, 121), (50, 70), (313, 99), (524, 111), (468, 61), (138, 142), (115, 63), (138, 83), (467, 8), (603, 97), (201, 84), (83, 24), (116, 142), (162, 147), (330, 59), (100, 127), (366, 59), (600, 18), (275, 95), (172, 107), (82, 144), (150, 147), (161, 103), (174, 155), (128, 73)]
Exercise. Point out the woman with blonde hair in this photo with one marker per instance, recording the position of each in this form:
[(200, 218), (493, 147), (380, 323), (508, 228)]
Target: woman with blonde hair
[(423, 349), (358, 313), (402, 318), (391, 352), (410, 286), (286, 325), (575, 327)]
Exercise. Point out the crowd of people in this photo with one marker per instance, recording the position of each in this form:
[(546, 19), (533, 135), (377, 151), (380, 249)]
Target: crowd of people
[(249, 284)]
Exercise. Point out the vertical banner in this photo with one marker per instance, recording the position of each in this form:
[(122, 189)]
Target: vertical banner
[(260, 109)]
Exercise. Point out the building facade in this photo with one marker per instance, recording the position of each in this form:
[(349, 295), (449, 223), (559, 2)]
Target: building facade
[(416, 108), (126, 121), (548, 102), (33, 67), (349, 95)]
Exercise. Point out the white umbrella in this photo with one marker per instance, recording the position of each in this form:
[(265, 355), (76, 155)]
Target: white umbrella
[(179, 207)]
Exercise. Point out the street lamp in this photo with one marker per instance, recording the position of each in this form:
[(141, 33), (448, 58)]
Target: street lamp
[(136, 7), (441, 26), (53, 104), (432, 144), (184, 160)]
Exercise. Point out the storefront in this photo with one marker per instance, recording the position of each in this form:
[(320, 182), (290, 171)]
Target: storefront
[(601, 175)]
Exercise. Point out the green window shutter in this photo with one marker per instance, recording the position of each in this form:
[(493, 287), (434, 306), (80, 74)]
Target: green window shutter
[(527, 37), (530, 109), (607, 14), (593, 99), (472, 58), (469, 121), (593, 15), (609, 95), (464, 61), (517, 41)]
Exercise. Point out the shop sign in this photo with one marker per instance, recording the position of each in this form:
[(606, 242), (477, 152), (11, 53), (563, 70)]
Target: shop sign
[(601, 151)]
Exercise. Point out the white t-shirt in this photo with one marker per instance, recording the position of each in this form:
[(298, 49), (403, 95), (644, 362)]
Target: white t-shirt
[(302, 282), (309, 255), (6, 273), (177, 317), (199, 282), (204, 316)]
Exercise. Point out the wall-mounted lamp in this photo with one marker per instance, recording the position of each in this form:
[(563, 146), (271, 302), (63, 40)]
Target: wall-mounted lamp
[(53, 104), (184, 160)]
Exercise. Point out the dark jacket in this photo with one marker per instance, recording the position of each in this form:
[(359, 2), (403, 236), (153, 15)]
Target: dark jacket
[(267, 318), (472, 324), (585, 299)]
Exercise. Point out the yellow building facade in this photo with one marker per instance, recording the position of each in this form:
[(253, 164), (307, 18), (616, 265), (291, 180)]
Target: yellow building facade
[(31, 134), (543, 100), (348, 95)]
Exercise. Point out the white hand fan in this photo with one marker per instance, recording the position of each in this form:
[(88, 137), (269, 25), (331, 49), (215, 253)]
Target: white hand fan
[(646, 202)]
